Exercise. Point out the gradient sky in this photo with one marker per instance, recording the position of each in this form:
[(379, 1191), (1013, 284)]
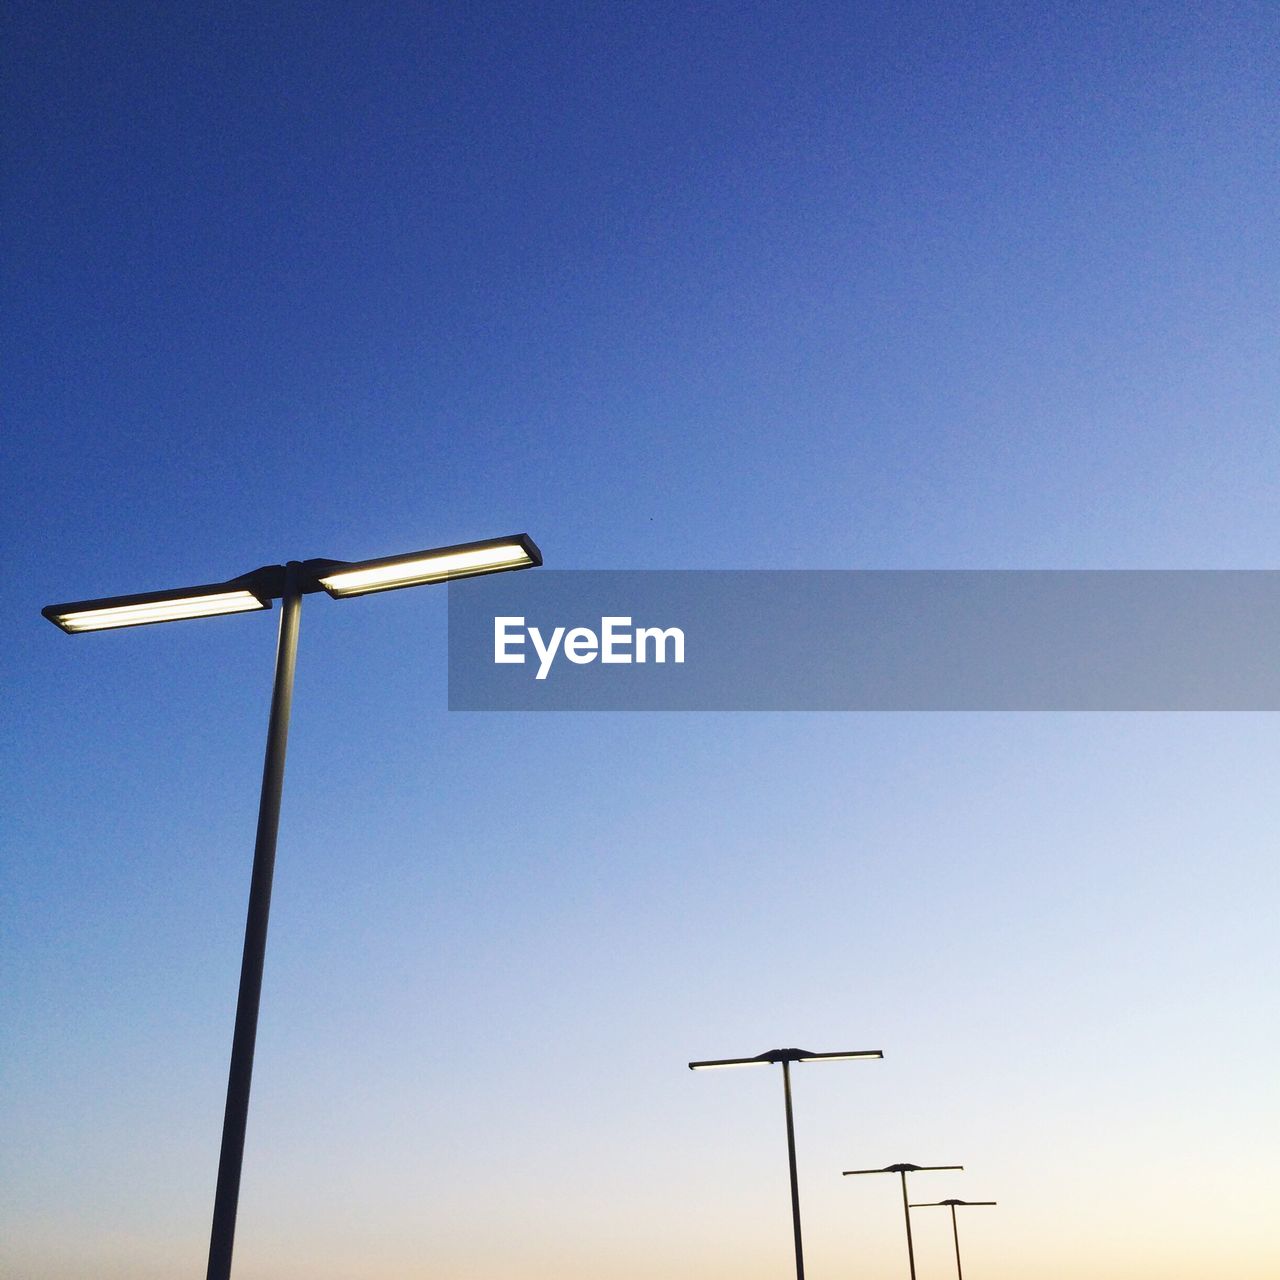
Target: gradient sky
[(668, 286)]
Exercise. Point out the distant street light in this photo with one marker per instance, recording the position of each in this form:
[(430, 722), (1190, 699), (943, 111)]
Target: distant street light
[(787, 1057), (287, 583), (902, 1170), (955, 1231)]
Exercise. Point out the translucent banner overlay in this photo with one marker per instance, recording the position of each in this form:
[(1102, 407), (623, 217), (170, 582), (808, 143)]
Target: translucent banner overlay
[(885, 640)]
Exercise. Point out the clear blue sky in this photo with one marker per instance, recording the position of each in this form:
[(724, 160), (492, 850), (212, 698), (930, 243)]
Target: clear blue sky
[(668, 286)]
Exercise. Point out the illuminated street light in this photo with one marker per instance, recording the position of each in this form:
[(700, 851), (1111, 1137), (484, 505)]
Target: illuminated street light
[(287, 583), (463, 561), (786, 1057), (955, 1231), (902, 1170), (240, 596)]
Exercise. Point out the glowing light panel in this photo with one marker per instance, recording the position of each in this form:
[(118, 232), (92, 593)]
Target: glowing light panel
[(170, 610), (430, 566)]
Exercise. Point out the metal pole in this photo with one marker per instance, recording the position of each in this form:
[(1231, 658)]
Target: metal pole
[(791, 1157), (227, 1196), (955, 1235), (906, 1212)]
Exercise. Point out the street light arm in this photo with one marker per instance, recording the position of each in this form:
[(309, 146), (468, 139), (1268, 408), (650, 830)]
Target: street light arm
[(952, 1204), (240, 595), (243, 594), (842, 1056), (439, 564), (256, 589), (790, 1055)]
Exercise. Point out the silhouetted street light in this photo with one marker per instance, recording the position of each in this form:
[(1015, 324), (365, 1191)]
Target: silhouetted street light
[(902, 1170), (287, 583), (955, 1231), (787, 1057)]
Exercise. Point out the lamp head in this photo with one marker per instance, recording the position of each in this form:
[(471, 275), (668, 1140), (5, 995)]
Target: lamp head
[(239, 595), (787, 1055), (441, 564), (256, 590), (950, 1204)]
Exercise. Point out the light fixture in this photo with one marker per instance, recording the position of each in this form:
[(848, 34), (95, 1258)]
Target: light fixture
[(902, 1170), (953, 1205), (786, 1057), (288, 583), (466, 560), (155, 606)]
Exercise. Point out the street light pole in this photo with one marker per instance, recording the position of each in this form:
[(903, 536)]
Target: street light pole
[(791, 1162), (235, 1118), (955, 1236), (249, 592), (786, 1057), (955, 1230), (906, 1215), (902, 1170)]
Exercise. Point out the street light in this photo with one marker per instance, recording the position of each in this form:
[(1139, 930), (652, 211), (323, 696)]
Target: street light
[(902, 1170), (787, 1057), (287, 583), (955, 1231)]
